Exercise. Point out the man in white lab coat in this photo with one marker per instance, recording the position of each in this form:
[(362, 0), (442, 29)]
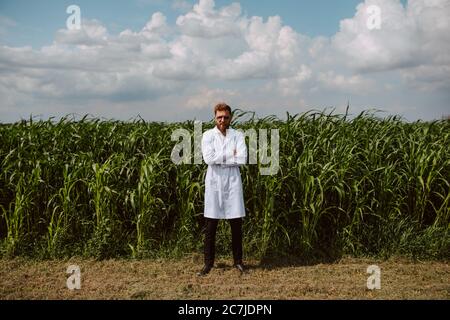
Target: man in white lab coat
[(224, 150)]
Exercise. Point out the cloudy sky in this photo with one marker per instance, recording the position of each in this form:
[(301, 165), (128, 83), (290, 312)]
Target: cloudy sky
[(174, 60)]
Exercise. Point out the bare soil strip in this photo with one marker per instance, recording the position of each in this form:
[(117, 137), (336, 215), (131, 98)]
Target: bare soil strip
[(176, 279)]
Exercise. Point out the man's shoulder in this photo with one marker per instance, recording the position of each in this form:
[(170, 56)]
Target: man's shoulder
[(231, 131), (236, 132), (209, 132)]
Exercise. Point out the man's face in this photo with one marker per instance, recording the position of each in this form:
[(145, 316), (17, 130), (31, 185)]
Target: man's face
[(223, 120)]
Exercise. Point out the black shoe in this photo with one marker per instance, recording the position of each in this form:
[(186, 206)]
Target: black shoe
[(240, 267), (205, 270)]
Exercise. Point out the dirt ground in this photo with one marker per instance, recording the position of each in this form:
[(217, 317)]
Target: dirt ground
[(176, 279)]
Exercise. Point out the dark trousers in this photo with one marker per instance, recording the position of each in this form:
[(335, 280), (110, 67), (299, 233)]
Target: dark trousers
[(210, 240)]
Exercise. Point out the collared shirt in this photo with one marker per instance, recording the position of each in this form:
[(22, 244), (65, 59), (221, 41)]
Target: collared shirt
[(223, 185)]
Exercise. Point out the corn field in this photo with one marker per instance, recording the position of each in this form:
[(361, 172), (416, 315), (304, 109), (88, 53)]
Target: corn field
[(368, 186)]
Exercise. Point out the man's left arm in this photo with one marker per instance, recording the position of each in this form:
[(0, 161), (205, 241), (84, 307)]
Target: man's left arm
[(241, 149), (240, 155)]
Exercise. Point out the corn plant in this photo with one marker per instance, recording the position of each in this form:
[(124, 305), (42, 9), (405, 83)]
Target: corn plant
[(365, 186)]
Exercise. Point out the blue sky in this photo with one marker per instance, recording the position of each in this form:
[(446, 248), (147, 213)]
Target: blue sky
[(169, 60), (38, 20)]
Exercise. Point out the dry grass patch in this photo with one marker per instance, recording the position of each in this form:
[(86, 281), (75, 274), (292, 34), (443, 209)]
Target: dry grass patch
[(176, 279)]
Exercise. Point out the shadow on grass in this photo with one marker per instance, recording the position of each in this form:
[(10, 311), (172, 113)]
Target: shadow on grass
[(273, 261)]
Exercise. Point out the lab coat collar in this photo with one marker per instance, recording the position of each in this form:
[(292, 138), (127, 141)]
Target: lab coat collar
[(229, 133)]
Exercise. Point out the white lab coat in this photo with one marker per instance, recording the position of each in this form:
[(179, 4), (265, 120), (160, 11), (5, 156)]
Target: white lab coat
[(224, 197)]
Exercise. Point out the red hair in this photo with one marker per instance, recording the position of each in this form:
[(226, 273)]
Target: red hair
[(222, 107)]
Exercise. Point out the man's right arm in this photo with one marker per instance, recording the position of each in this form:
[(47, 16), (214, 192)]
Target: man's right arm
[(210, 155)]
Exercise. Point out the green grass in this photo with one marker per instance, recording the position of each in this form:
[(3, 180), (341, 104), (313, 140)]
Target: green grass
[(366, 187)]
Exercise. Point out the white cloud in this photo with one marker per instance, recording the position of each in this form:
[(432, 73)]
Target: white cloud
[(417, 35), (92, 32), (428, 78), (210, 48), (206, 22), (293, 85), (271, 51), (355, 84), (155, 51), (156, 25), (205, 97)]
